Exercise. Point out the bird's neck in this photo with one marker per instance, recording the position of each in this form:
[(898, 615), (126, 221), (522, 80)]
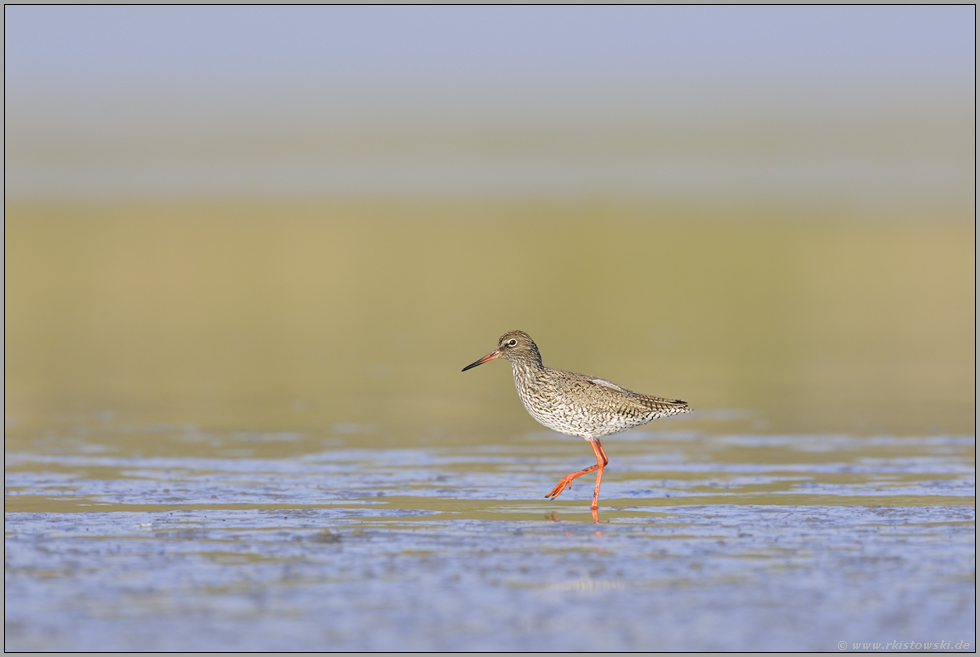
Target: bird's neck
[(526, 370)]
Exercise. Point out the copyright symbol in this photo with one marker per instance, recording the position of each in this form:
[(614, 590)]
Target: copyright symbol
[(842, 645)]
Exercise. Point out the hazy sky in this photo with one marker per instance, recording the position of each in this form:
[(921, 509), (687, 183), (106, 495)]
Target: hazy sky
[(106, 45), (326, 99)]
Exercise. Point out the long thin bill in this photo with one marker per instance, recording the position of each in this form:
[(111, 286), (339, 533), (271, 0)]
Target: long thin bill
[(491, 356)]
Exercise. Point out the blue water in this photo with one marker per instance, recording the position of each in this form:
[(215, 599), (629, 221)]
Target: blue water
[(704, 544)]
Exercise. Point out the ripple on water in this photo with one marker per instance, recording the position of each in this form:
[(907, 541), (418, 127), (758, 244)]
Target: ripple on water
[(454, 549)]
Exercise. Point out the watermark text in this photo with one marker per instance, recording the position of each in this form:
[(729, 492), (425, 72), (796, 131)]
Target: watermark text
[(904, 645)]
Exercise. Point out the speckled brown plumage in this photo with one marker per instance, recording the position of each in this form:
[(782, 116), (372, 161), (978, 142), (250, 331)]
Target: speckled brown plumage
[(576, 404)]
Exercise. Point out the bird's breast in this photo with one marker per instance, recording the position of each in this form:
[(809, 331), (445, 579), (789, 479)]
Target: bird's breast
[(550, 405)]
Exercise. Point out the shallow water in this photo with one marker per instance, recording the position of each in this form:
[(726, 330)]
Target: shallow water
[(704, 543), (244, 426)]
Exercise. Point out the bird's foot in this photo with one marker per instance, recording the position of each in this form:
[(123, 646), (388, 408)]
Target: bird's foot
[(566, 482)]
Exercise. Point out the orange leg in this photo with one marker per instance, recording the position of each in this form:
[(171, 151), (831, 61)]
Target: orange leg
[(600, 462), (597, 448)]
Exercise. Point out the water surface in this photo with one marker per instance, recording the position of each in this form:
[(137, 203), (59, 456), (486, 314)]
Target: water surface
[(728, 542), (243, 427)]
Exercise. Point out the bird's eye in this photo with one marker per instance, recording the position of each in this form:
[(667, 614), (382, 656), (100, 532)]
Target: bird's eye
[(512, 342)]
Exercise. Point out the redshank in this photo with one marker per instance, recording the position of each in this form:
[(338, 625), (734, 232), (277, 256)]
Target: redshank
[(576, 404)]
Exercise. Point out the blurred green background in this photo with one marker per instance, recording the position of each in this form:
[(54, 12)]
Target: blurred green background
[(312, 218)]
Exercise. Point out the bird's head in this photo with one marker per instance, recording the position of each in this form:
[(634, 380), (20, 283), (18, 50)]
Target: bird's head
[(515, 346)]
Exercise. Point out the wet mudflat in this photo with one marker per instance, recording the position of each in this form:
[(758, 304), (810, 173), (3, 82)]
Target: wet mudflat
[(705, 542), (243, 426)]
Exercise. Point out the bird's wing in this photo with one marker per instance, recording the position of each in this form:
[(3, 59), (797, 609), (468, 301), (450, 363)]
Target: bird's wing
[(609, 384), (587, 390)]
